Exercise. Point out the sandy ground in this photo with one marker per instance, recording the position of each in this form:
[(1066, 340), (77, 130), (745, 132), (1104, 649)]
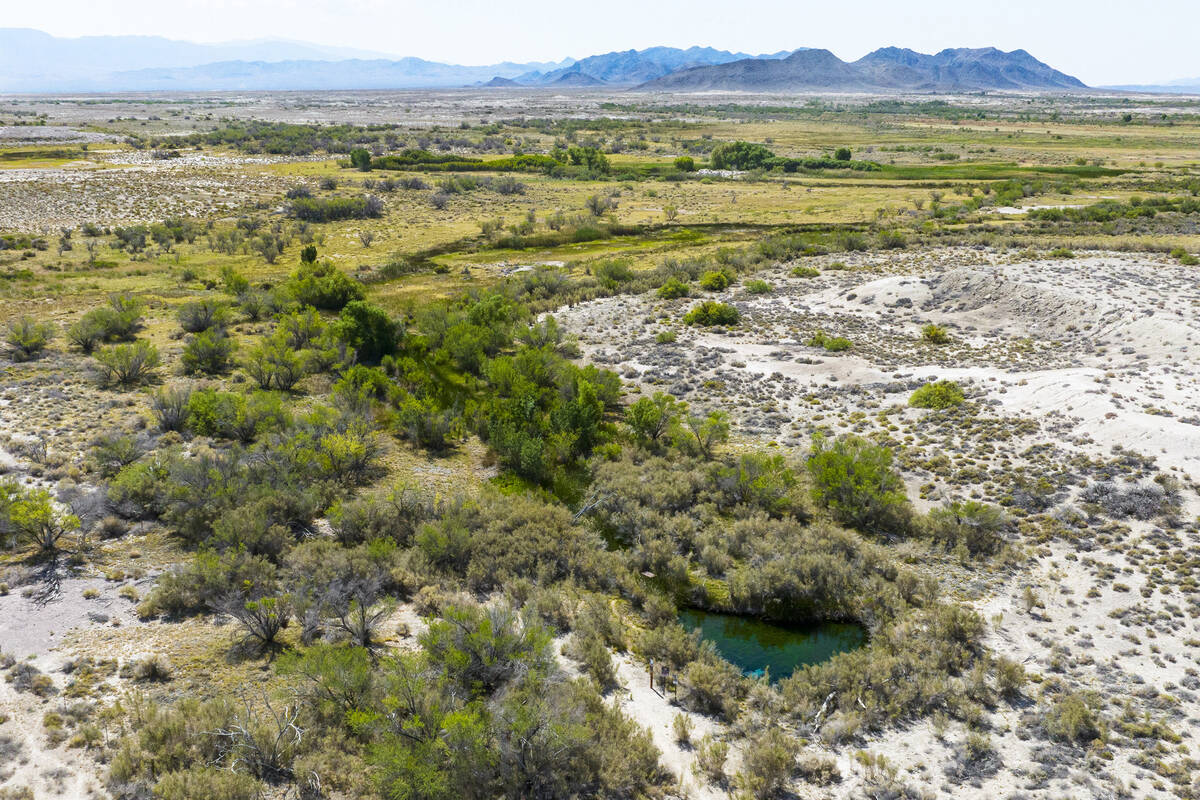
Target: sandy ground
[(36, 619)]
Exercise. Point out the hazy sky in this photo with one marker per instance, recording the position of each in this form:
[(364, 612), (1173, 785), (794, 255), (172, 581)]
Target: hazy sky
[(1098, 41)]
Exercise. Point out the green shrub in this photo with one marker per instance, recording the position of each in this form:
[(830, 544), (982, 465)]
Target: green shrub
[(935, 334), (833, 344), (768, 763), (613, 273), (232, 415), (33, 517), (128, 364), (666, 337), (27, 338), (422, 422), (758, 287), (1010, 677), (1184, 257), (209, 352), (854, 479), (939, 395), (1071, 719), (673, 289), (368, 329), (685, 164), (805, 272), (892, 240), (329, 209), (118, 321), (715, 280), (710, 758), (710, 312), (974, 525), (88, 332), (819, 770), (275, 364), (323, 286), (1061, 252), (203, 315)]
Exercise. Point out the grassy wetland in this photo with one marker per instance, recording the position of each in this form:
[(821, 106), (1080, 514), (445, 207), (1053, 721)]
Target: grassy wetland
[(371, 444)]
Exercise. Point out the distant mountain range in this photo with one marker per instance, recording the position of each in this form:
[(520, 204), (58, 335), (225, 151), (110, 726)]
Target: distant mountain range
[(633, 67), (611, 69), (1182, 86), (887, 69), (32, 61)]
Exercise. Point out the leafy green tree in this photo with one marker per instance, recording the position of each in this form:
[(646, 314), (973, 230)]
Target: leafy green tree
[(740, 156), (32, 516), (360, 159), (368, 329), (855, 480), (842, 154), (324, 286), (650, 419), (589, 157), (709, 431)]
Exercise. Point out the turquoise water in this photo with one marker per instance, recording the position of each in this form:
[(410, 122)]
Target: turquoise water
[(755, 646)]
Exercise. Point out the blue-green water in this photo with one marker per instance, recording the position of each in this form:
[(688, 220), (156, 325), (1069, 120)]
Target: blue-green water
[(755, 646)]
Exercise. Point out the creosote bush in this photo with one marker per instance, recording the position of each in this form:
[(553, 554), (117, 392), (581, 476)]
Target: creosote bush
[(711, 312), (935, 334), (939, 395), (27, 338), (128, 365), (833, 344)]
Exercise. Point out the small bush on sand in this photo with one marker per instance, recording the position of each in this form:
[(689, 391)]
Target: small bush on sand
[(939, 395), (935, 334), (710, 312)]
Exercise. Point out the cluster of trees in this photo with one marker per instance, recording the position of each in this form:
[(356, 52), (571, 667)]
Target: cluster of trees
[(1109, 210), (330, 209), (748, 156), (281, 138), (423, 160), (135, 238)]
